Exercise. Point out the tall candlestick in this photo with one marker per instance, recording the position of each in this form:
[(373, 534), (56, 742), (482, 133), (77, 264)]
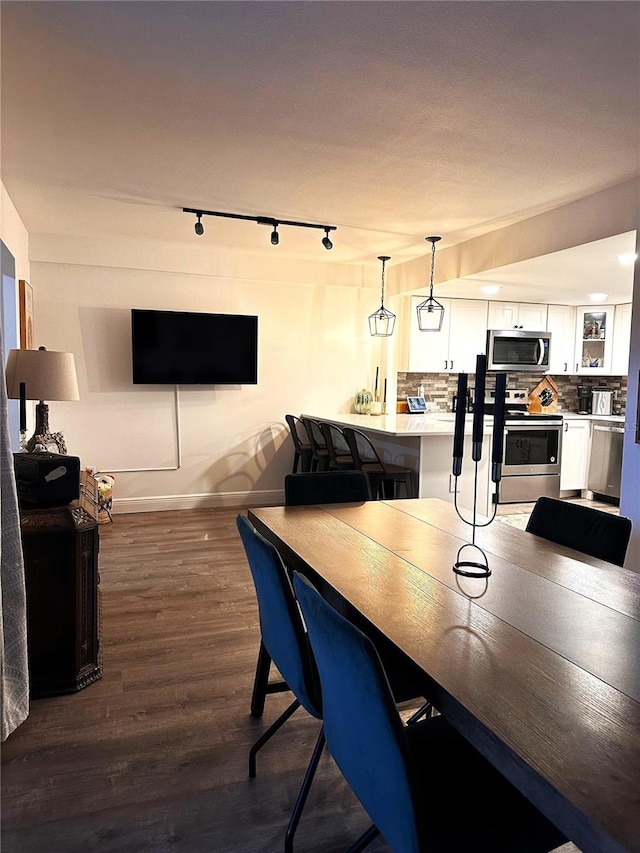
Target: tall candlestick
[(458, 435), (498, 427), (478, 408), (384, 399), (375, 391), (23, 407)]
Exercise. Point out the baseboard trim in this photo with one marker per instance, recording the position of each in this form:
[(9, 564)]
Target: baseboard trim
[(221, 500)]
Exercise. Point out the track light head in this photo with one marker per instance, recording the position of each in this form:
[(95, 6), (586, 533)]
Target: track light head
[(275, 237), (199, 227), (326, 242)]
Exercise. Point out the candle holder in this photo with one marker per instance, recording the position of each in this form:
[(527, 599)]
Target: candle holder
[(476, 565)]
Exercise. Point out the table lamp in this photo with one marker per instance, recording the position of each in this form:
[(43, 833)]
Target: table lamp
[(38, 375)]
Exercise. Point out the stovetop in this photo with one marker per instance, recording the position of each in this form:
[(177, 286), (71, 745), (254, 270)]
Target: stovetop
[(517, 405)]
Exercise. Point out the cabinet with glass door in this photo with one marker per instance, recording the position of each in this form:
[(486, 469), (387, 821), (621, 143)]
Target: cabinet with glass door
[(594, 338)]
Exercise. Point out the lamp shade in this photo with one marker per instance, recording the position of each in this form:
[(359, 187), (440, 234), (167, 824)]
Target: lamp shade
[(47, 375)]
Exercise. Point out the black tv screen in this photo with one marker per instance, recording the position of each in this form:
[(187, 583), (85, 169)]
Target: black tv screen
[(190, 348)]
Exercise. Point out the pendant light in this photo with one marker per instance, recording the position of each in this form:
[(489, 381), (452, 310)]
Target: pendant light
[(430, 312), (382, 321)]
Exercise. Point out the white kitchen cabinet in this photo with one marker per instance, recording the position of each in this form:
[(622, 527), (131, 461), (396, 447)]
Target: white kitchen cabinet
[(594, 340), (517, 315), (561, 322), (574, 456), (621, 340), (454, 348)]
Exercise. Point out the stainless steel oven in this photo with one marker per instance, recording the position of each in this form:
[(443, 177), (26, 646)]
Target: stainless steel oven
[(531, 463)]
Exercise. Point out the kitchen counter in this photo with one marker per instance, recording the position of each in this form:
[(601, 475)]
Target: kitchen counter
[(618, 419), (424, 443)]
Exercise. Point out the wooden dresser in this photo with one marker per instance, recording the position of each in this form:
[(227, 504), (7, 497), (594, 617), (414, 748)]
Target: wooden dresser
[(60, 547)]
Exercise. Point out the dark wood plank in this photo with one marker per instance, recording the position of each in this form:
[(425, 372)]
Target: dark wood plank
[(577, 734)]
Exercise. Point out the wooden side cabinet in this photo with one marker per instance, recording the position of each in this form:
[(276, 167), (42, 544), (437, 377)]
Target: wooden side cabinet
[(60, 546)]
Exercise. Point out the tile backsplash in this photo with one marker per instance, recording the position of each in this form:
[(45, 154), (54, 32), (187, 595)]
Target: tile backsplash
[(440, 387)]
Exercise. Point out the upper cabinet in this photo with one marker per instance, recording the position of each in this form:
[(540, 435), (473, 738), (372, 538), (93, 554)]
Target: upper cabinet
[(517, 315), (454, 348), (561, 322), (621, 340), (594, 339)]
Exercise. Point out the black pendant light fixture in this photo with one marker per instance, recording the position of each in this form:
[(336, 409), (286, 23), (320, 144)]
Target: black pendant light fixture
[(382, 321), (430, 312)]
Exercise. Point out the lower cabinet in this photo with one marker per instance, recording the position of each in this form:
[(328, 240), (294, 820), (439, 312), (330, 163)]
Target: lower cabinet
[(574, 458), (60, 546)]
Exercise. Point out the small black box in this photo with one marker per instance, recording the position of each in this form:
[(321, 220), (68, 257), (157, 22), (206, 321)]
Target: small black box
[(47, 479)]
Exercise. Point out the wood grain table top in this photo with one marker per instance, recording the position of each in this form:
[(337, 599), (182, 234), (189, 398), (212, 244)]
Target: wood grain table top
[(538, 666)]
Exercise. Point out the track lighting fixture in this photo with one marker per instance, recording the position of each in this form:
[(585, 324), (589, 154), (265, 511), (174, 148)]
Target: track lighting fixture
[(382, 321), (262, 220), (430, 312)]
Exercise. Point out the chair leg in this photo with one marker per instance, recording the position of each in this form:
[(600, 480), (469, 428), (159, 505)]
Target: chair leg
[(421, 712), (260, 682), (262, 687), (296, 459), (273, 728), (304, 792), (365, 839)]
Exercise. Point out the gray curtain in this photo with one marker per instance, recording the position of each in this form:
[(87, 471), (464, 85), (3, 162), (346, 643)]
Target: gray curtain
[(14, 674)]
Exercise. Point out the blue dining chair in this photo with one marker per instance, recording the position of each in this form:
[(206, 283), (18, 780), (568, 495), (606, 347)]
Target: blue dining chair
[(424, 786), (285, 640)]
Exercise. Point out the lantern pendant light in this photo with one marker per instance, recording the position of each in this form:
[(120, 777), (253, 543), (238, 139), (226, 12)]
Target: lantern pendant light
[(430, 312), (382, 321)]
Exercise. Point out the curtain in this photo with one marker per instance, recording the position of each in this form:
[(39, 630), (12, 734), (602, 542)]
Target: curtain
[(14, 674)]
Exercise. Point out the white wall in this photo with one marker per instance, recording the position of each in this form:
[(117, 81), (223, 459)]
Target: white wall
[(315, 352)]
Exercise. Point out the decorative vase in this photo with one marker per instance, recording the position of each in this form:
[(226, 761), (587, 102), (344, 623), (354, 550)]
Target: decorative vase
[(362, 403)]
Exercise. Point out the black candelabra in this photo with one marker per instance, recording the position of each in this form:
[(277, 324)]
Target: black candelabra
[(477, 565)]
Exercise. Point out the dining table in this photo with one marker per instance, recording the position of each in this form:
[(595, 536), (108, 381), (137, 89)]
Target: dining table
[(537, 665)]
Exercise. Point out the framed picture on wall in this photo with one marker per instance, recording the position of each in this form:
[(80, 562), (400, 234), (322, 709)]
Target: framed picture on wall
[(25, 297)]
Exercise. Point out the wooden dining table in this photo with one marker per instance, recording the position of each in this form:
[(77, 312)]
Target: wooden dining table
[(538, 666)]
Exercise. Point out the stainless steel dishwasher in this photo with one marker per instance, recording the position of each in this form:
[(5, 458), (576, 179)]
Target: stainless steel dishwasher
[(605, 468)]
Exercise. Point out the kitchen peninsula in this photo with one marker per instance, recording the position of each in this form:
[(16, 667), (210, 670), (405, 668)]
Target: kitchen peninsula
[(424, 443)]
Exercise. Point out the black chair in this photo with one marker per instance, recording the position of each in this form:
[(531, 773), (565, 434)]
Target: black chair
[(583, 528), (326, 487), (302, 449), (424, 786), (319, 453), (340, 458), (384, 476)]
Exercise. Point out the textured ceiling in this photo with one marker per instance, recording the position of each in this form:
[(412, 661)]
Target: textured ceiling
[(390, 120)]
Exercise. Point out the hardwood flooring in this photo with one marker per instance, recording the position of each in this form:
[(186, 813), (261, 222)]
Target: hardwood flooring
[(153, 756)]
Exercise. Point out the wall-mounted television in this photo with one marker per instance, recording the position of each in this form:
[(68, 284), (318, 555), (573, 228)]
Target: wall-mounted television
[(192, 348)]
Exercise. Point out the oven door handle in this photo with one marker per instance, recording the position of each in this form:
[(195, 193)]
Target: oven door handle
[(541, 345)]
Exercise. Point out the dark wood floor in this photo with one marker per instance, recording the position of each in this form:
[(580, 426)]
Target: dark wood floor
[(153, 756)]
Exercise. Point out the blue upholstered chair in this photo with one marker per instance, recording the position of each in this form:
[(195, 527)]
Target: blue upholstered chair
[(285, 640), (424, 786), (326, 487)]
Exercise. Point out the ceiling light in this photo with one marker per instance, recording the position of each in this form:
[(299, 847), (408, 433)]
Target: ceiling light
[(430, 312), (628, 259), (382, 321), (491, 288), (598, 297), (261, 220)]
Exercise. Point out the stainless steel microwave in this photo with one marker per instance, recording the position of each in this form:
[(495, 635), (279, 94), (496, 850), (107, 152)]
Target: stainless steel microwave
[(515, 349)]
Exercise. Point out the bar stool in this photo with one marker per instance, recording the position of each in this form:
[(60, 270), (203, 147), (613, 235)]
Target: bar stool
[(384, 476), (340, 458), (302, 448), (319, 453)]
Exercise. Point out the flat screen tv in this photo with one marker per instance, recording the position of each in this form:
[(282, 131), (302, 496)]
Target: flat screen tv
[(190, 348)]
